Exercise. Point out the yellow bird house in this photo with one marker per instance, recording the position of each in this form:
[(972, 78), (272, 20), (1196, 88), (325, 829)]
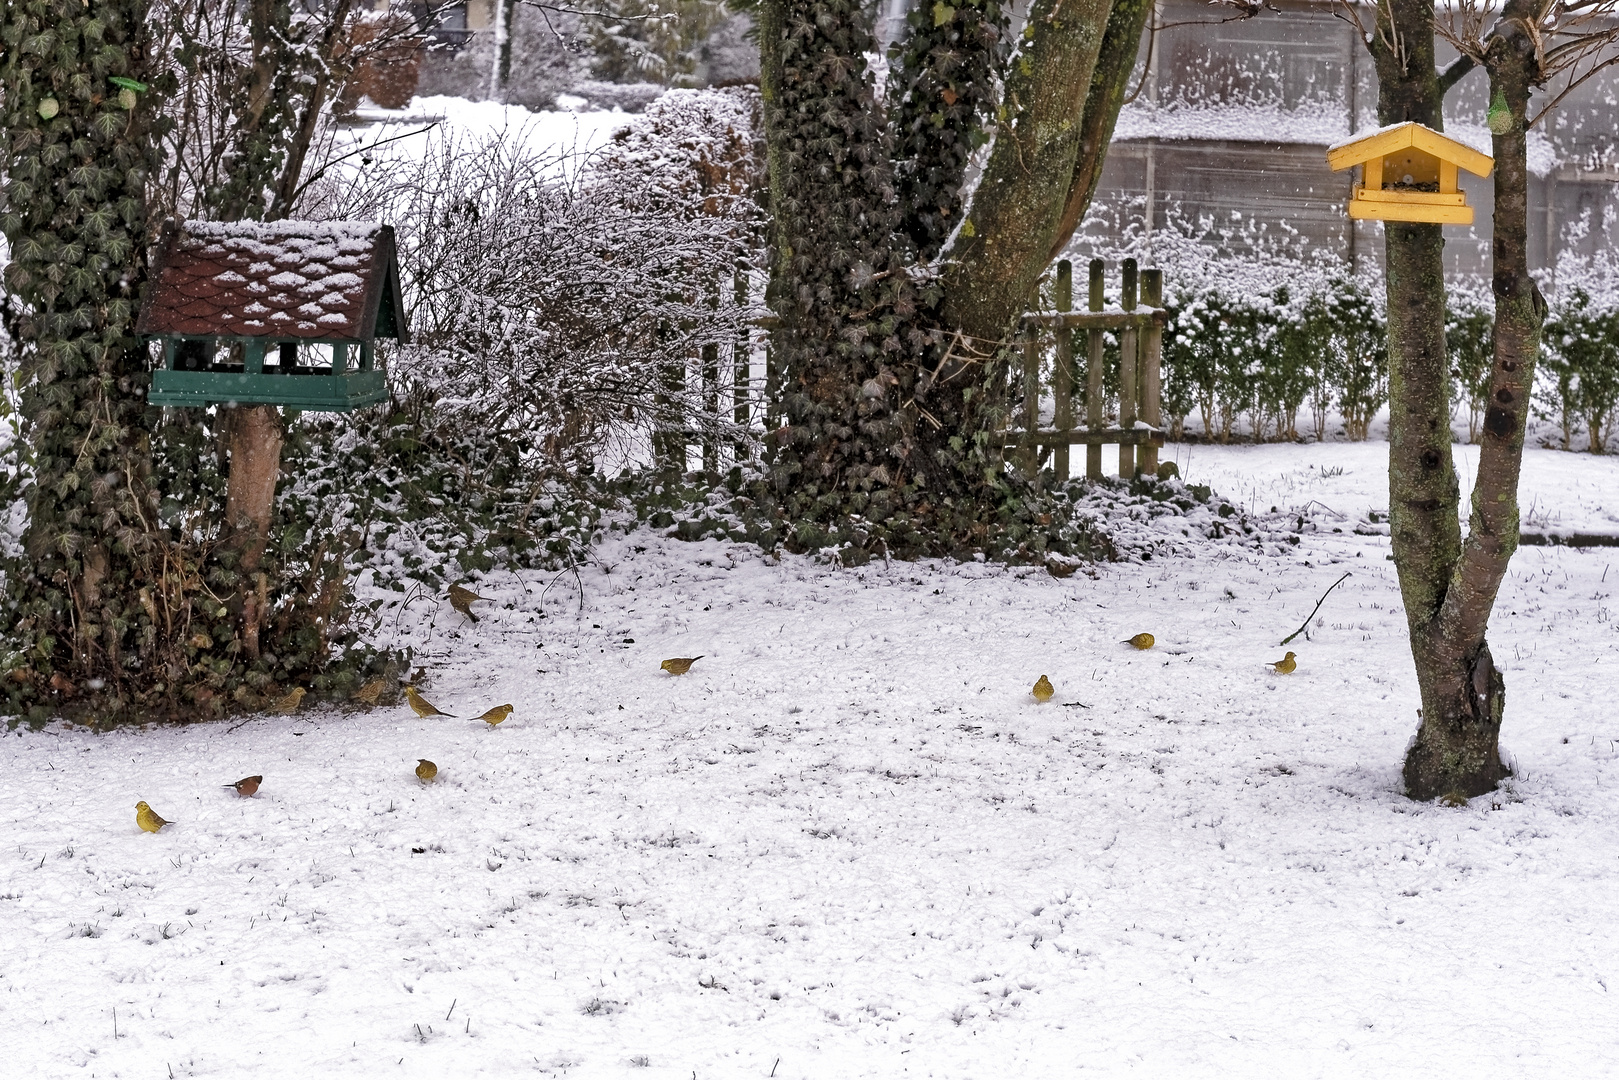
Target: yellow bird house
[(1408, 173)]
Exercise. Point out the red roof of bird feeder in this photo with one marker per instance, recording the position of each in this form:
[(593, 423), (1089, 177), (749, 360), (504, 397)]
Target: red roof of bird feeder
[(284, 280)]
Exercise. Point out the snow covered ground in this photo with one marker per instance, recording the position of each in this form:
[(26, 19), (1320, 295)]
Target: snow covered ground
[(849, 843)]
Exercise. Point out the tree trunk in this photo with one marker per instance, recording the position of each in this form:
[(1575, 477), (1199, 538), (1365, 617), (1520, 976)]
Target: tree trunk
[(1109, 82), (255, 434), (1007, 239), (1457, 746), (1449, 587)]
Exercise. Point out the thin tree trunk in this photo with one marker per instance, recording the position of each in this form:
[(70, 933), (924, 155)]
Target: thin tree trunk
[(1449, 587), (1457, 749)]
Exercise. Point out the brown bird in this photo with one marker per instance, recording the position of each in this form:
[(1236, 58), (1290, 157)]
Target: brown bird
[(147, 818), (288, 705), (425, 770), (679, 665), (494, 716), (1286, 664), (368, 694), (421, 706), (247, 785), (461, 600), (1140, 641), (1043, 690)]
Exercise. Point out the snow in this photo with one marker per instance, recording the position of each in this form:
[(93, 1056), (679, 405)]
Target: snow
[(849, 843), (561, 134), (1321, 123)]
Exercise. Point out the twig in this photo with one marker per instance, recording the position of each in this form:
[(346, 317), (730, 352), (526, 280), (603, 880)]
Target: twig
[(1075, 705), (1317, 607)]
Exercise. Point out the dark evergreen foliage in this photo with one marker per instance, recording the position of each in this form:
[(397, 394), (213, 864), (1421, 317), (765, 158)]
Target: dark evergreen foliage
[(942, 84)]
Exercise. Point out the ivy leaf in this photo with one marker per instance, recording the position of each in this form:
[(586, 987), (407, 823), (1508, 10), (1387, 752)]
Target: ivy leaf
[(942, 13)]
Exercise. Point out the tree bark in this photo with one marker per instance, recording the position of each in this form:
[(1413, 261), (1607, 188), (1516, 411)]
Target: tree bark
[(1121, 41), (1449, 586), (1006, 241), (1457, 747)]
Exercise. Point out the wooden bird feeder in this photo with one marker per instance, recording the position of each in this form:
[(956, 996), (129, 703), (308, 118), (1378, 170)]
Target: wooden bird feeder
[(239, 306), (1409, 174)]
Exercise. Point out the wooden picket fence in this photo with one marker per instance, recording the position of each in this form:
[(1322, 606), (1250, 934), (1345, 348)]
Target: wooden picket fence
[(730, 383), (1139, 322)]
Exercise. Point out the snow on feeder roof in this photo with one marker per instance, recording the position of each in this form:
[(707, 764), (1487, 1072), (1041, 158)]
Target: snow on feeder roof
[(1409, 173), (221, 293)]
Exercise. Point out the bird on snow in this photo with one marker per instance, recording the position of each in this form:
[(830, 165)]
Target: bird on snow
[(288, 705), (368, 694), (461, 600), (421, 706), (1043, 690), (1286, 664), (247, 785), (494, 716), (147, 818), (679, 665), (1140, 641), (425, 770)]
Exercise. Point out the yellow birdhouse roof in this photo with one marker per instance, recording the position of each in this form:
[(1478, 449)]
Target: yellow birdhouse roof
[(1397, 137)]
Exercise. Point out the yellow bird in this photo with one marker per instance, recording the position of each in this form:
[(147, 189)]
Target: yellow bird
[(461, 600), (147, 818), (421, 706), (1043, 690), (494, 716), (368, 694), (1140, 641), (679, 665), (1286, 664), (425, 770), (288, 705)]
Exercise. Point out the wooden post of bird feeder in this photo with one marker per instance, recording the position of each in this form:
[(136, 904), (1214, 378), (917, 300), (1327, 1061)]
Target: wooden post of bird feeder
[(1094, 411), (1127, 373), (1031, 398), (1062, 379), (1152, 351)]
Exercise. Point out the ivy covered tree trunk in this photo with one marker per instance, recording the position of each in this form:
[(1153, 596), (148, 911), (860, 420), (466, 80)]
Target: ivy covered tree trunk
[(838, 286), (77, 152), (1448, 585), (891, 317)]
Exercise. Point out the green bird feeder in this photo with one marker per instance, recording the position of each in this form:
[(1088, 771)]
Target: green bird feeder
[(272, 313)]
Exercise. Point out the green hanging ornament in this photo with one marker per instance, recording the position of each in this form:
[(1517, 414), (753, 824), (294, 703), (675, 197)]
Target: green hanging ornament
[(1500, 117), (48, 108)]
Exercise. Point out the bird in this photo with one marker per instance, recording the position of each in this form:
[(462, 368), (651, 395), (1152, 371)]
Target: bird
[(147, 818), (247, 785), (1043, 690), (1286, 664), (288, 705), (494, 716), (425, 770), (679, 665), (368, 694), (420, 705), (461, 600), (1140, 641)]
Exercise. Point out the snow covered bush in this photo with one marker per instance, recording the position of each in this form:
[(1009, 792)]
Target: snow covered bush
[(1581, 365), (567, 301)]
